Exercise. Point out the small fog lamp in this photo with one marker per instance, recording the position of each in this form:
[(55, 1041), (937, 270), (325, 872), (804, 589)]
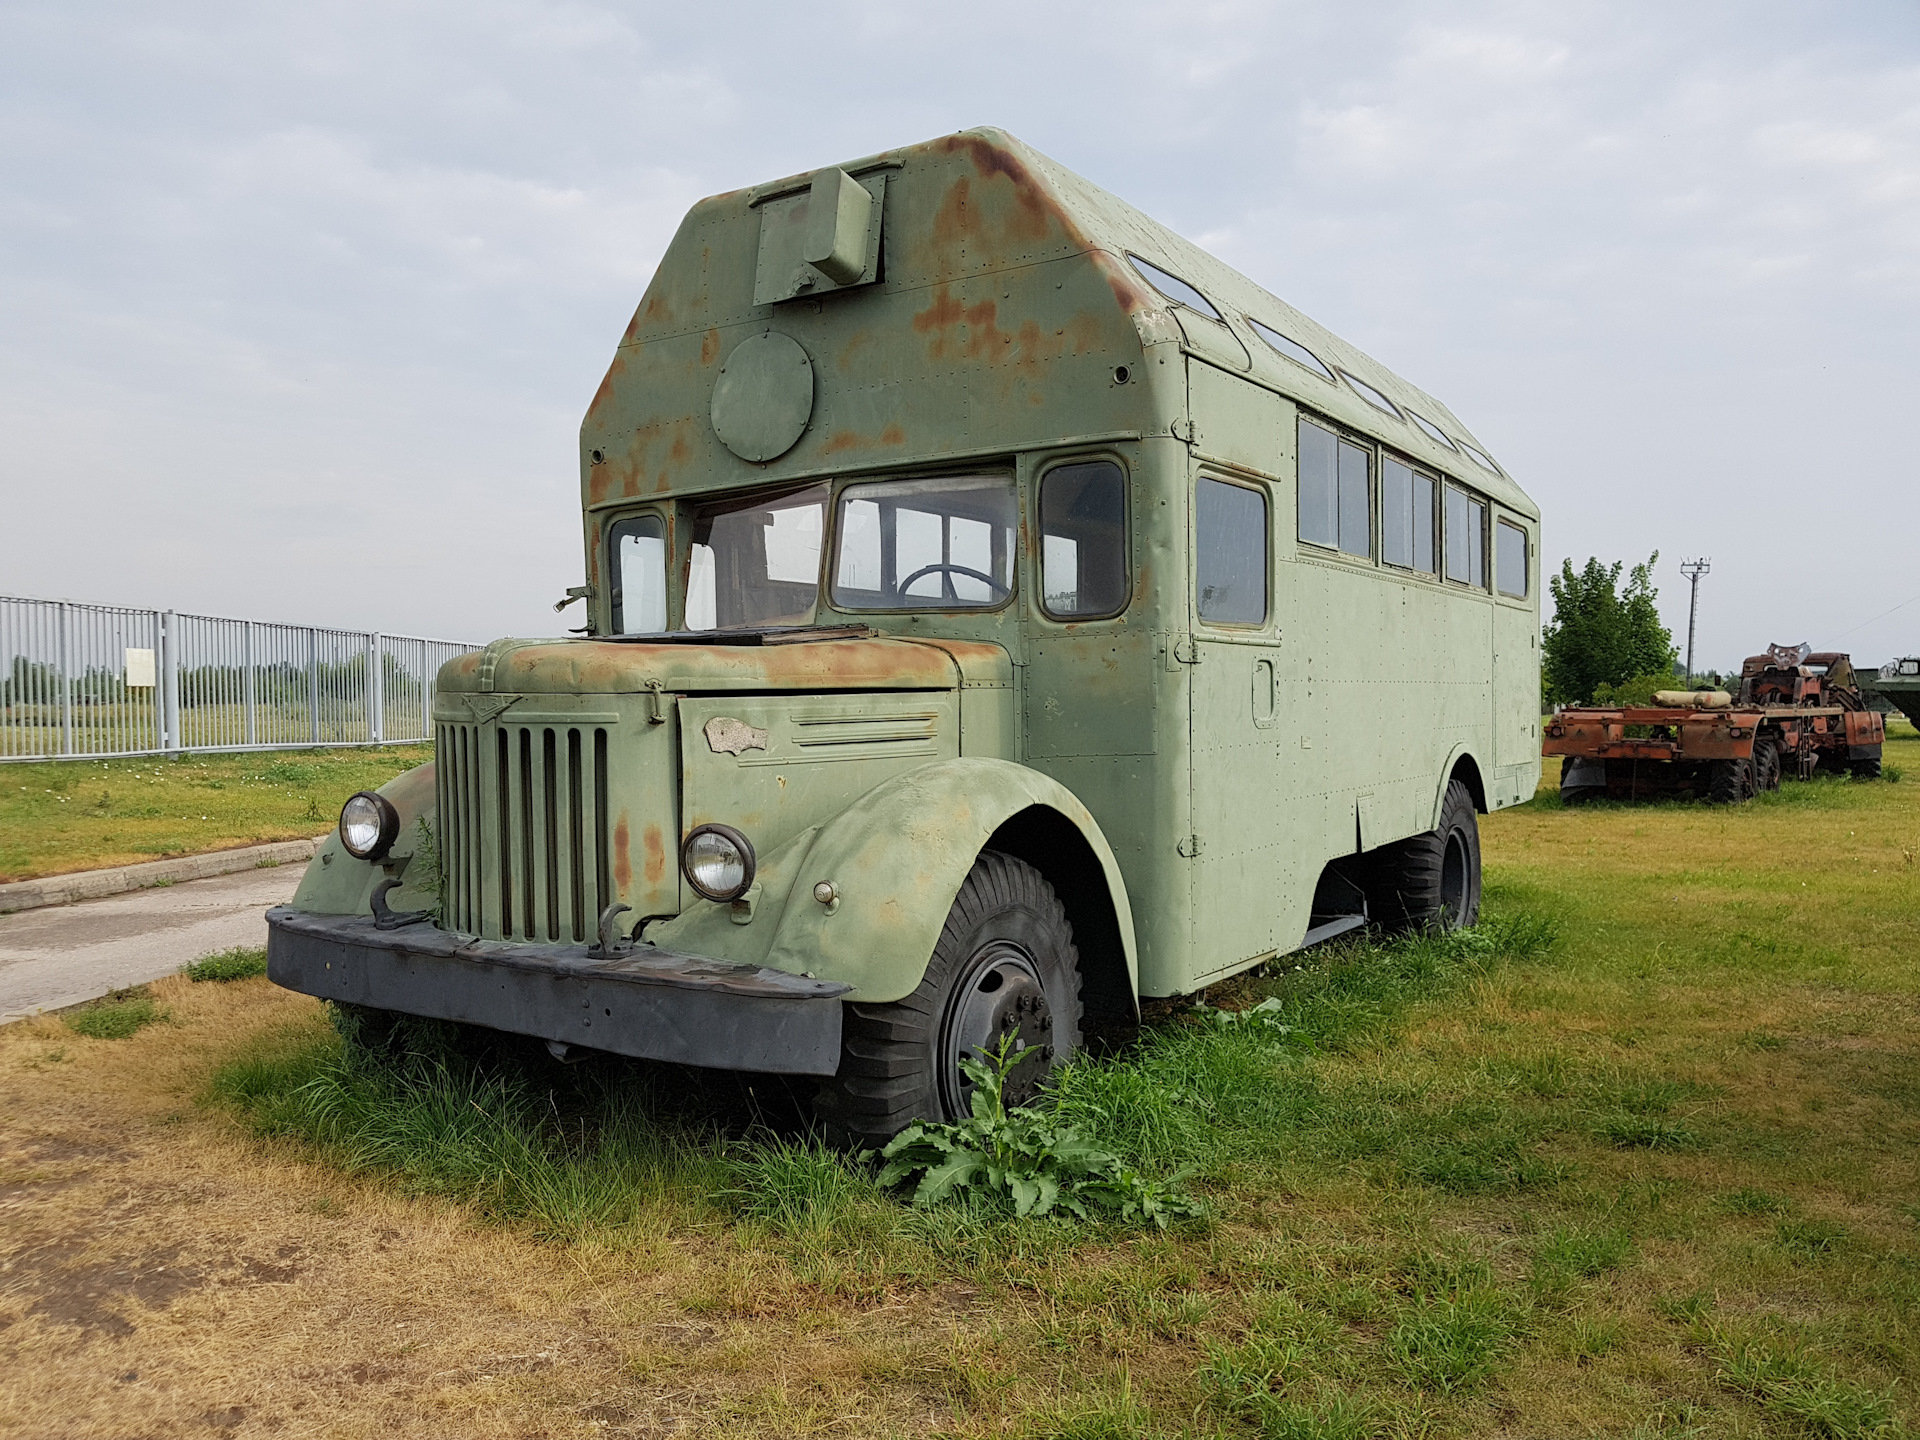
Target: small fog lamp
[(717, 861), (368, 825)]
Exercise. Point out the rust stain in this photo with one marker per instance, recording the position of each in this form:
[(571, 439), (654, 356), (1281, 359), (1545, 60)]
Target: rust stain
[(710, 347), (656, 848), (842, 441), (1034, 211), (1126, 288), (893, 435), (945, 314), (605, 392), (622, 856), (657, 311), (850, 352)]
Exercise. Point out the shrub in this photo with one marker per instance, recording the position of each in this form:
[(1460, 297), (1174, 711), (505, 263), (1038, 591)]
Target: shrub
[(115, 1016), (237, 964), (1025, 1158)]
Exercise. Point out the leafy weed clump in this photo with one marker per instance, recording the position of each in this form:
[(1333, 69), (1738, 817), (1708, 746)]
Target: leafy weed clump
[(1025, 1158), (241, 963), (115, 1016)]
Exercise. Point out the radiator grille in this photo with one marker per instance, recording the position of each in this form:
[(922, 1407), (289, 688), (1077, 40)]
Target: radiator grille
[(523, 821)]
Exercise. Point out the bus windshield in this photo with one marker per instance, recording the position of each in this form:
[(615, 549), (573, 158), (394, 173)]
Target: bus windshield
[(757, 563), (942, 543)]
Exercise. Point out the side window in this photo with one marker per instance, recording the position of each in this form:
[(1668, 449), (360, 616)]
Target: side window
[(1466, 538), (1356, 491), (1230, 559), (1319, 485), (1510, 559), (1335, 491), (1406, 516), (638, 560), (1083, 540)]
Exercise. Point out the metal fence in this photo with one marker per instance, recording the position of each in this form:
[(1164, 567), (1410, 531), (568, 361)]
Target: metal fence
[(82, 680)]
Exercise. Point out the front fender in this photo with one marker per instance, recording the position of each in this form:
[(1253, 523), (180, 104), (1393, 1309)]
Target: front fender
[(897, 856), (338, 884)]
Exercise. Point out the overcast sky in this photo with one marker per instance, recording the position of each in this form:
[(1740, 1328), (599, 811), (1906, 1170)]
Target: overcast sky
[(300, 306)]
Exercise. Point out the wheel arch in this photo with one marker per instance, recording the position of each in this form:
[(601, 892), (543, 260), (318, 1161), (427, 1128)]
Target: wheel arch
[(1055, 846), (1462, 766)]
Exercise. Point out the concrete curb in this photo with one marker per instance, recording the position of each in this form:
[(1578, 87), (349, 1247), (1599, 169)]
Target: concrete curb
[(93, 884)]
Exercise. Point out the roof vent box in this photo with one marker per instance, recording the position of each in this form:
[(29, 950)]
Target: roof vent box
[(821, 239)]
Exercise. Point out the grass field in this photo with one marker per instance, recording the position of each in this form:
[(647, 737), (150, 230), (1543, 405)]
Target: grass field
[(1641, 1159), (63, 815)]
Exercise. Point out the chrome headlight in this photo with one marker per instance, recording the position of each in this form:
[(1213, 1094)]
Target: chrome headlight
[(717, 861), (368, 825)]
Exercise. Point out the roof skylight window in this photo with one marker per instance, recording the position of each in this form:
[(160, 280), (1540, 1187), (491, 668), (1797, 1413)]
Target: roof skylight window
[(1372, 396), (1434, 432), (1174, 288), (1482, 461), (1292, 349)]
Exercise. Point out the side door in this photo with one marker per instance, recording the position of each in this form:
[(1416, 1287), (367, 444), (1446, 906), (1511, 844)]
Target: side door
[(1240, 853)]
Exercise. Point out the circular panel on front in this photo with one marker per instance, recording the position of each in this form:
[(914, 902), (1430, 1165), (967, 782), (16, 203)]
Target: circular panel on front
[(763, 397)]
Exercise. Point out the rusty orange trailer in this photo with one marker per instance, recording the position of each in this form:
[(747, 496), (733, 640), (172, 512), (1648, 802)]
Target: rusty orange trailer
[(1798, 711)]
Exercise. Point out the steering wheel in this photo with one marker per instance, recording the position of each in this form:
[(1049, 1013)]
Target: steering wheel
[(985, 579)]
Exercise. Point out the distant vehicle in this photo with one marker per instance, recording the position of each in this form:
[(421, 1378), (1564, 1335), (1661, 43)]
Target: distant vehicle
[(1899, 682), (1798, 711), (997, 609)]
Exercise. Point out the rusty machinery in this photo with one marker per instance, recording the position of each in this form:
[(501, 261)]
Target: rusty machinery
[(1798, 711)]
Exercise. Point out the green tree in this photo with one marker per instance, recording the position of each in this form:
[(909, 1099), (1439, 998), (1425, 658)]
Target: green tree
[(1601, 634)]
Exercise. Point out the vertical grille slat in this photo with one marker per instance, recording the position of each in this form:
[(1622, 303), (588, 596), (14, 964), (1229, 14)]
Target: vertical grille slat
[(524, 811)]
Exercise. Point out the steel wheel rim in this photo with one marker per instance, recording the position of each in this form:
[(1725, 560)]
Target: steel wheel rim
[(999, 993)]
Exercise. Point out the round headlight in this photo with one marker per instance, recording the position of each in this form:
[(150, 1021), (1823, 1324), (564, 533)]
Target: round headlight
[(368, 825), (718, 861)]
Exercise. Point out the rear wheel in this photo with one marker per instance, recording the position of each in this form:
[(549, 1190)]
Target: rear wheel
[(1766, 766), (1005, 966), (1430, 881), (1730, 781), (1866, 769)]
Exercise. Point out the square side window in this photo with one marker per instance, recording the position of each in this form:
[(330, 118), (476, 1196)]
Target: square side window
[(1230, 553), (1083, 540)]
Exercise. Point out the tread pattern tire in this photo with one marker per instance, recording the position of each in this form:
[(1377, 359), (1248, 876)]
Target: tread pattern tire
[(1730, 781), (1766, 767), (888, 1053), (1866, 769), (1409, 884)]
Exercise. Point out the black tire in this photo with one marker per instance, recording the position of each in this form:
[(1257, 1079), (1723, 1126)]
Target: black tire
[(1430, 881), (1866, 769), (1582, 780), (1005, 963), (363, 1027), (1730, 781), (1766, 766)]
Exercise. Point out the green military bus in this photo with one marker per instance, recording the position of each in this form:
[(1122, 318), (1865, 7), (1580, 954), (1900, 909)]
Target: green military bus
[(996, 610)]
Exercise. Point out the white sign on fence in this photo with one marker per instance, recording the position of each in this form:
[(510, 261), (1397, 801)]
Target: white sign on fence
[(140, 669)]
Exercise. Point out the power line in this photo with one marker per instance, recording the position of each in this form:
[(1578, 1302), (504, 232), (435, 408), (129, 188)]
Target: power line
[(1881, 616)]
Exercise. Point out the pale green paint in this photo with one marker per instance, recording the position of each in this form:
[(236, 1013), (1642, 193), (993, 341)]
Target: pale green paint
[(989, 330)]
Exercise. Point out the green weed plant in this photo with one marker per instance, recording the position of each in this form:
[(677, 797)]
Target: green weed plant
[(116, 1016), (241, 963), (1023, 1156)]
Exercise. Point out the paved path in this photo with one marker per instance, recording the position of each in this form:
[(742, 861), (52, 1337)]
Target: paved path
[(69, 953)]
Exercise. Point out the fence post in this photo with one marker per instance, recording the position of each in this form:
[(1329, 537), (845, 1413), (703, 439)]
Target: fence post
[(313, 683), (66, 683), (247, 691), (170, 680), (376, 691)]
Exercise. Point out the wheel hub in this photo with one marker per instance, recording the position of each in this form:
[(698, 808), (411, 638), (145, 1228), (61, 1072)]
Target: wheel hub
[(999, 999)]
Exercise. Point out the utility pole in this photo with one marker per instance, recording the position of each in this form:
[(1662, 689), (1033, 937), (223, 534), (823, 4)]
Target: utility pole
[(1693, 570)]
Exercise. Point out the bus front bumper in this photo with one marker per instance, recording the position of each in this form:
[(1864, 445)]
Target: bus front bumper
[(649, 1003)]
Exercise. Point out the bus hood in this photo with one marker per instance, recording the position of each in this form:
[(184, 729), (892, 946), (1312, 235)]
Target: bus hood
[(853, 658)]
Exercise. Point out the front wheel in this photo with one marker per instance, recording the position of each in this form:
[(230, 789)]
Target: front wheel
[(1430, 881), (1005, 967)]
